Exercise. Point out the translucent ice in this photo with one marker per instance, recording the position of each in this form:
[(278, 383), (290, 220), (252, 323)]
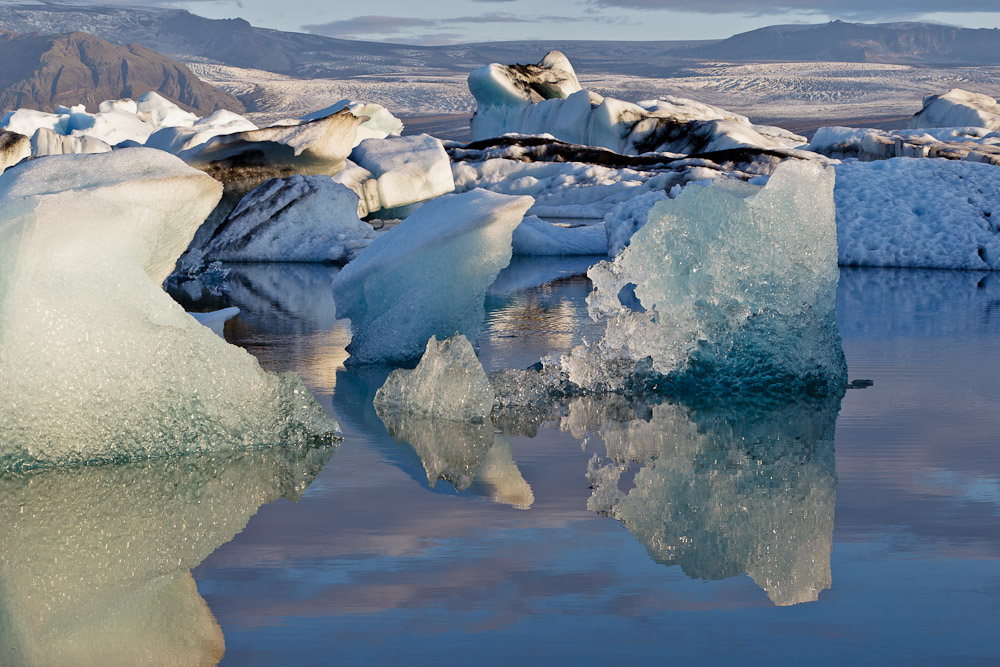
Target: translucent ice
[(95, 564), (428, 275), (97, 363), (727, 288), (726, 490), (448, 383)]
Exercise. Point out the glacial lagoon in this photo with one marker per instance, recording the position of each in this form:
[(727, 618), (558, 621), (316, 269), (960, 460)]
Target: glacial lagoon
[(857, 530)]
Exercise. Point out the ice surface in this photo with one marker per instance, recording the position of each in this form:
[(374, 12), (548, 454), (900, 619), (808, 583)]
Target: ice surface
[(14, 147), (296, 219), (428, 275), (927, 213), (380, 123), (958, 108), (724, 490), (406, 169), (972, 144), (96, 560), (97, 363), (46, 142), (729, 288), (626, 218), (538, 237), (520, 99), (448, 383)]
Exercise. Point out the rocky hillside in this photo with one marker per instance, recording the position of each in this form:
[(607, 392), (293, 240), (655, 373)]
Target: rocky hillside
[(44, 71)]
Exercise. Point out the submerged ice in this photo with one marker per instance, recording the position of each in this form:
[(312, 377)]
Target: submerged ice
[(97, 363), (729, 288)]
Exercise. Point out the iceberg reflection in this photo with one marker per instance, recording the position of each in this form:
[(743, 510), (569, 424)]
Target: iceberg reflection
[(723, 490), (95, 561)]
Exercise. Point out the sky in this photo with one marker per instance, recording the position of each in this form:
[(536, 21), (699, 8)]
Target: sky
[(456, 21)]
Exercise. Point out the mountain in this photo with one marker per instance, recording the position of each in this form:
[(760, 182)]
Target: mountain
[(837, 41), (44, 71)]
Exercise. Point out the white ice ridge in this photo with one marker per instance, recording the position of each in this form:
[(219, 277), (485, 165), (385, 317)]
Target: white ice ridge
[(428, 275), (971, 144), (546, 98), (97, 363), (729, 288), (958, 108), (726, 490), (96, 559), (914, 213), (296, 219), (448, 383)]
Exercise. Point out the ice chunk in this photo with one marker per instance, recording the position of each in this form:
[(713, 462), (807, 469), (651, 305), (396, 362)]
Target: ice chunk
[(727, 489), (14, 147), (727, 288), (161, 112), (46, 142), (407, 169), (958, 108), (552, 78), (626, 218), (216, 319), (538, 237), (428, 275), (448, 383), (96, 560), (97, 363), (296, 219), (942, 214), (380, 123), (175, 139)]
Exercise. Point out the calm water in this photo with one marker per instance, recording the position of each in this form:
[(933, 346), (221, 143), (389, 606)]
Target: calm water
[(861, 531)]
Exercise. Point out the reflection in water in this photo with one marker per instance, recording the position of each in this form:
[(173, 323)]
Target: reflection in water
[(94, 561), (470, 456), (723, 490)]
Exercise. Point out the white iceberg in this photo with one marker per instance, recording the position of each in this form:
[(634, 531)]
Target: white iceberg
[(958, 108), (535, 236), (14, 147), (448, 383), (296, 219), (178, 138), (547, 99), (729, 288), (379, 124), (941, 214), (97, 363), (406, 169), (427, 276), (46, 142)]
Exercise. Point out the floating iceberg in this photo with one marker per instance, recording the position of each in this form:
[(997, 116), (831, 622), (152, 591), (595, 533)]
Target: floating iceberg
[(448, 383), (726, 490), (538, 237), (96, 560), (958, 108), (941, 214), (547, 99), (379, 124), (46, 142), (97, 363), (178, 138), (427, 276), (297, 219), (729, 288), (406, 169)]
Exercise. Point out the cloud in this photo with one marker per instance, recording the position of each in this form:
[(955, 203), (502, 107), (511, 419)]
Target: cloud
[(416, 30), (858, 9)]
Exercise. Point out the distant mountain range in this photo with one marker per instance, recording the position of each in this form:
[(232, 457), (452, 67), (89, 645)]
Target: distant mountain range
[(44, 71)]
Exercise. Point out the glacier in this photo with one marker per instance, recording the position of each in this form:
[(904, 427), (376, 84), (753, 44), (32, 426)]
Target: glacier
[(97, 363), (428, 275), (727, 289)]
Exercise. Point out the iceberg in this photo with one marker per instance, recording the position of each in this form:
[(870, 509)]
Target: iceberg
[(547, 99), (535, 236), (97, 363), (729, 288), (724, 490), (14, 147), (46, 142), (406, 169), (96, 560), (379, 123), (448, 383), (296, 219), (958, 108), (428, 275), (178, 138), (942, 214)]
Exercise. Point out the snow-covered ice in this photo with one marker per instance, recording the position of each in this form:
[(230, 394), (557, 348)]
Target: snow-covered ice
[(427, 276), (729, 288), (406, 169), (930, 213), (97, 363), (296, 219), (448, 383)]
